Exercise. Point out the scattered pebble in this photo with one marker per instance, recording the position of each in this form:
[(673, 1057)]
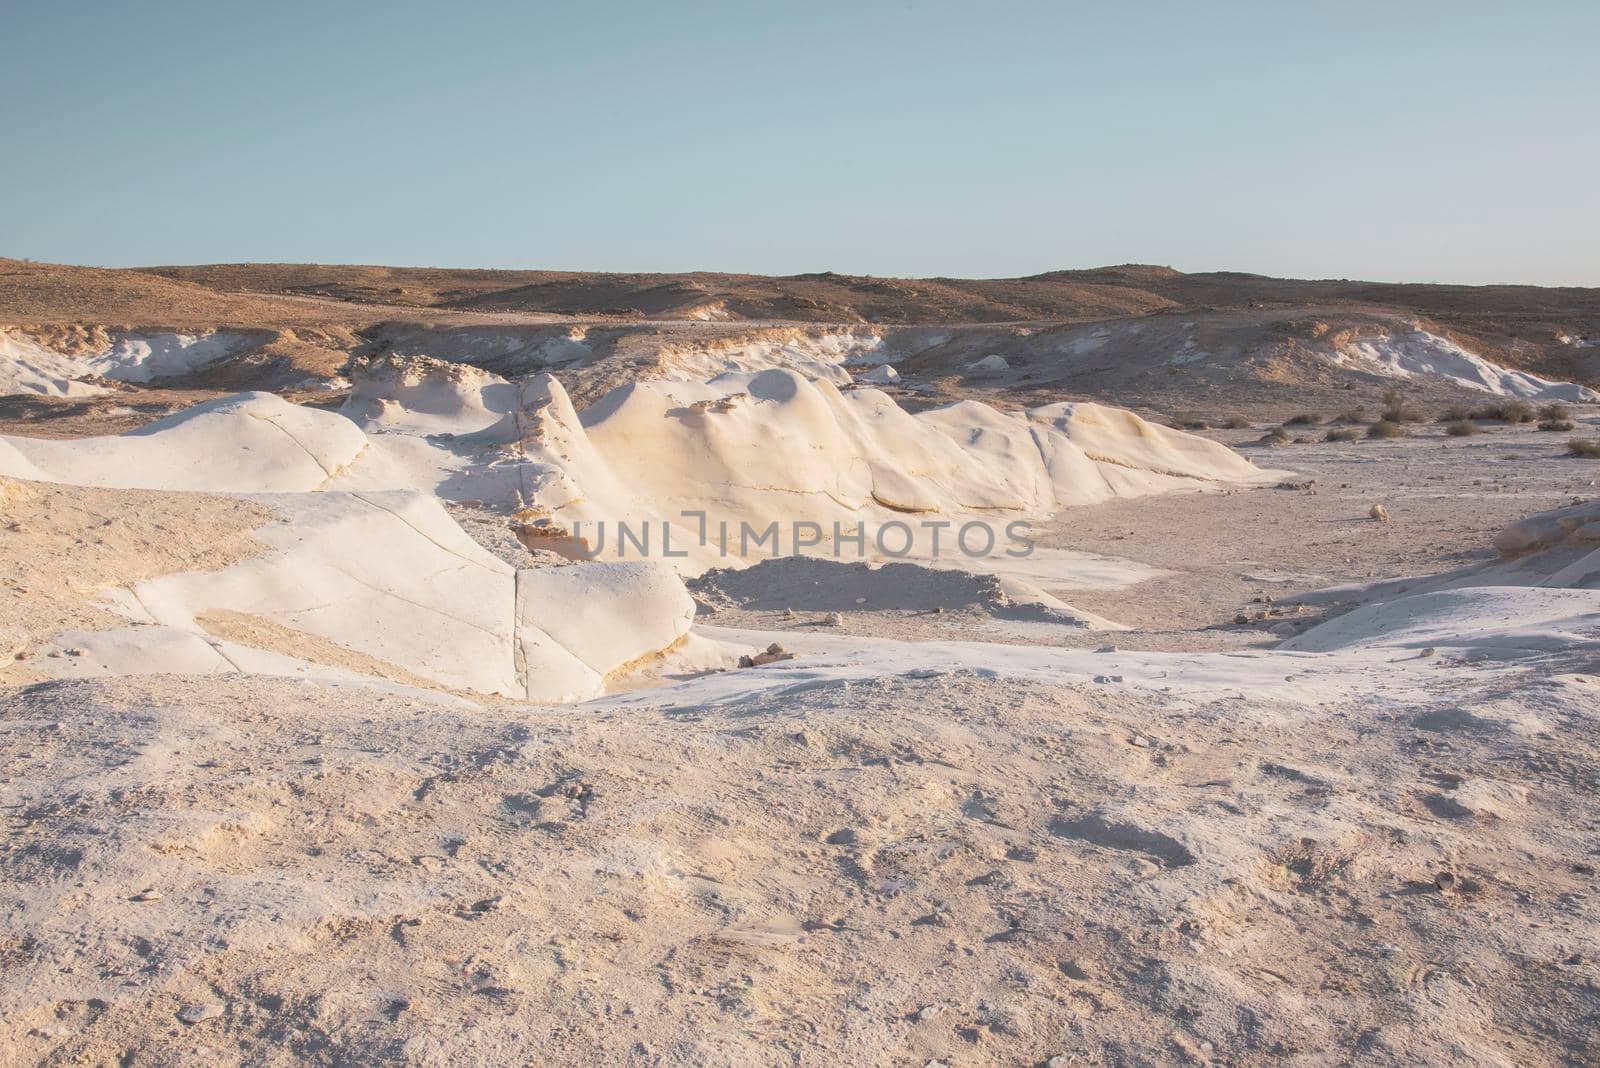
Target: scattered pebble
[(200, 1011), (773, 654)]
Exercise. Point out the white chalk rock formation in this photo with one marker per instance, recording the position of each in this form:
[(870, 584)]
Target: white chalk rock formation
[(250, 443), (773, 447), (28, 364), (367, 569), (1489, 621), (1575, 525), (989, 365), (881, 375), (387, 577), (820, 354), (388, 585), (421, 395), (1416, 353), (1543, 594), (392, 578), (750, 450), (29, 367)]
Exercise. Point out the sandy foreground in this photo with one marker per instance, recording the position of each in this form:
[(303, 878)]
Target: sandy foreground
[(952, 868), (964, 836)]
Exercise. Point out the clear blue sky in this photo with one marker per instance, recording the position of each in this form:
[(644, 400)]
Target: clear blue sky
[(1402, 140)]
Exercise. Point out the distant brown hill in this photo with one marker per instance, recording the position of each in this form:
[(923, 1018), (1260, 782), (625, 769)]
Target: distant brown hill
[(1100, 292), (1525, 326), (816, 298)]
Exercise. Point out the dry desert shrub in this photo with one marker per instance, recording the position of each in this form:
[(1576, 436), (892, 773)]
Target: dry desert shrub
[(1555, 417), (1277, 436), (1456, 413), (1386, 428), (1352, 417), (1237, 422), (1462, 428), (1303, 419), (1510, 411), (1395, 410), (1311, 866), (1349, 433), (12, 492), (1588, 448)]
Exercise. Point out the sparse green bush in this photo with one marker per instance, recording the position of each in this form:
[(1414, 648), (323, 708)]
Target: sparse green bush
[(1462, 428), (1349, 433), (1588, 448), (1386, 428)]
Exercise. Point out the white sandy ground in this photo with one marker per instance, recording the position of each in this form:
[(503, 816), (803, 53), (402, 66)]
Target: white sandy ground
[(879, 852), (979, 860), (1375, 842)]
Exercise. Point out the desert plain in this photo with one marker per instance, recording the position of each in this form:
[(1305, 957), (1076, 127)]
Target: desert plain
[(330, 732)]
